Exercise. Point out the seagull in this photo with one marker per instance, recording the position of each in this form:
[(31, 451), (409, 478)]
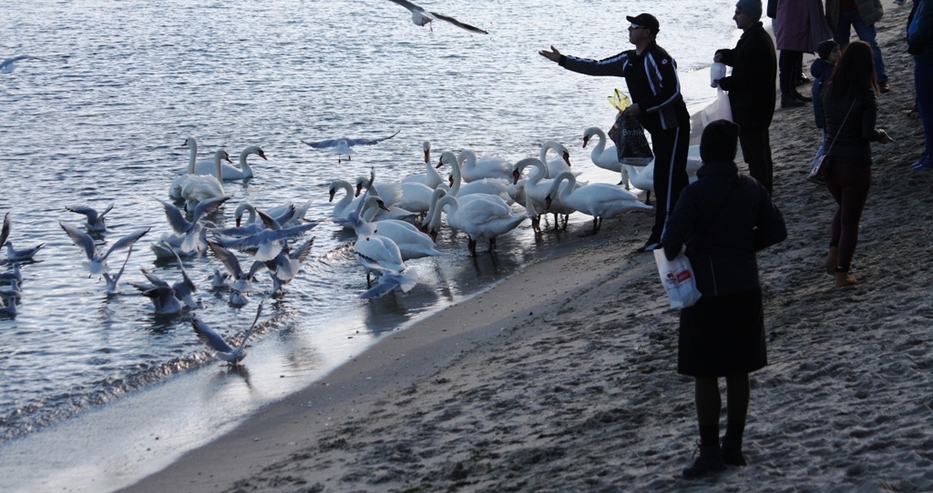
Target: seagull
[(266, 244), (240, 280), (7, 66), (114, 279), (5, 232), (167, 299), (421, 17), (10, 309), (284, 267), (97, 260), (9, 277), (24, 255), (191, 230), (13, 292), (213, 340), (95, 220), (344, 145)]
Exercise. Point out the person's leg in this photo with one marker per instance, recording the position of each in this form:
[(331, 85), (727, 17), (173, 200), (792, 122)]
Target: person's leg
[(867, 34), (738, 395), (709, 407), (788, 65), (844, 28), (670, 175), (854, 195), (756, 150), (923, 84)]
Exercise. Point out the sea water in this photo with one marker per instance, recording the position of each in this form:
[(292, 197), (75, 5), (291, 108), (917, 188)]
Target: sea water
[(89, 380)]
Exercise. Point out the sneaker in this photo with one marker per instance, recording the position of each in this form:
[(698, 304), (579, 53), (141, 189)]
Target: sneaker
[(710, 460), (647, 247), (924, 164), (883, 87)]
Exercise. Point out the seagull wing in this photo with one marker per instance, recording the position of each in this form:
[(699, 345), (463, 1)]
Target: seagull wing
[(126, 241), (322, 144), (81, 239), (5, 232), (207, 206), (227, 258), (154, 279), (209, 337), (459, 24), (176, 218), (369, 142), (408, 5), (90, 212)]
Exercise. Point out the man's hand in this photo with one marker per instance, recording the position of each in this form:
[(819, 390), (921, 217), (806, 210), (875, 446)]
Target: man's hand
[(632, 110), (552, 55)]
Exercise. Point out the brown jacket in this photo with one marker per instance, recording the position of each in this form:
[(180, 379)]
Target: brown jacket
[(870, 11)]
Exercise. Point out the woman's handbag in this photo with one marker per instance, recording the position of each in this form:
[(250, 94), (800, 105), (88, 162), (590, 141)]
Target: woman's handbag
[(677, 278), (816, 168)]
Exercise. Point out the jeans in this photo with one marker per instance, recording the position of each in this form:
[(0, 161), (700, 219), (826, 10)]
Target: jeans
[(923, 82), (851, 19)]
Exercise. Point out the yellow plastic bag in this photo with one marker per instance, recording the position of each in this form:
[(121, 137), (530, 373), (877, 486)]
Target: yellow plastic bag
[(619, 100)]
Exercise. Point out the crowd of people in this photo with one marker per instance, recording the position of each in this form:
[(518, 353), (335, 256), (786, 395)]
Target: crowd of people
[(725, 217)]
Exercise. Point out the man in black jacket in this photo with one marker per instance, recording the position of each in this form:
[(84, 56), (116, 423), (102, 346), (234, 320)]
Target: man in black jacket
[(651, 76), (751, 89)]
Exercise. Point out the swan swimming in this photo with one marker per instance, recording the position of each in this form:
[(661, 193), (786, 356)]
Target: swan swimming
[(231, 172), (224, 351), (96, 258), (421, 17), (344, 146), (95, 221), (197, 188)]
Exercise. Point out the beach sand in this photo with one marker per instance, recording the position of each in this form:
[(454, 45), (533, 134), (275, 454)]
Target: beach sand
[(563, 377)]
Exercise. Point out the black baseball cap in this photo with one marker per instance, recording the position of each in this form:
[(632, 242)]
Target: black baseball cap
[(645, 20)]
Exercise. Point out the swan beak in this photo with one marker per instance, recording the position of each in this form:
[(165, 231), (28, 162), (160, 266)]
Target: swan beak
[(382, 205), (567, 158), (332, 193), (238, 221), (586, 141), (227, 158), (450, 180), (427, 156), (359, 188), (440, 162), (263, 154), (515, 176)]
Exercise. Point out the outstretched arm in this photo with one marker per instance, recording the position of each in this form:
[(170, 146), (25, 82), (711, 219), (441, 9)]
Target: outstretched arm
[(553, 55)]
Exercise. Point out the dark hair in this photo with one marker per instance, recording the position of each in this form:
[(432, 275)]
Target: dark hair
[(854, 72)]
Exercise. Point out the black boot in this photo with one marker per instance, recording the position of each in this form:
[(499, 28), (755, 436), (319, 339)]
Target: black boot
[(789, 101), (732, 452), (710, 460)]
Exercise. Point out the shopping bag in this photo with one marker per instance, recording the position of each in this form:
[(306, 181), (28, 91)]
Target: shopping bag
[(720, 109), (677, 278), (631, 144)]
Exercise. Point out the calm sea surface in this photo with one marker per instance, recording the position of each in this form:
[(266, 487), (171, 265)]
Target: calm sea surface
[(88, 379)]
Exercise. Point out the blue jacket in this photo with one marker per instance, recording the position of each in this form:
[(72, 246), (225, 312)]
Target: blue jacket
[(722, 237), (821, 70), (920, 40)]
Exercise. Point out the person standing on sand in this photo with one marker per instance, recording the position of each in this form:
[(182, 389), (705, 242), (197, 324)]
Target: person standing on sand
[(751, 89), (723, 219), (920, 45), (651, 77), (850, 111), (861, 15), (799, 25)]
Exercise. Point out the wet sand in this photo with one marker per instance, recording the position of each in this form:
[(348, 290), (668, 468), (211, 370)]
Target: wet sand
[(563, 377)]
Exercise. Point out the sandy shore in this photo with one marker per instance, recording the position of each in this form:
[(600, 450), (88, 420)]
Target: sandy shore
[(562, 378)]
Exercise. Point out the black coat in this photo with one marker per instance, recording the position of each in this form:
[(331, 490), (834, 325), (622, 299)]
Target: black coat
[(752, 85), (723, 218), (850, 137)]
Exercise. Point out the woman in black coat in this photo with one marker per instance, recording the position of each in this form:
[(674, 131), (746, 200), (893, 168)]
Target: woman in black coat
[(723, 219)]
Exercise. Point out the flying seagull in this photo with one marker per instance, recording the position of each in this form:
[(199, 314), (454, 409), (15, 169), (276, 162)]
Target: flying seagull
[(344, 145), (8, 66), (421, 17), (224, 351)]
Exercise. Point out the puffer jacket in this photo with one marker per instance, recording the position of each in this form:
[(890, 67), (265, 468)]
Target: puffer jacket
[(723, 218)]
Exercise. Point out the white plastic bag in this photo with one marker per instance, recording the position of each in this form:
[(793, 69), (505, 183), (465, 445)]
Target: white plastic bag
[(720, 109), (716, 71), (677, 278)]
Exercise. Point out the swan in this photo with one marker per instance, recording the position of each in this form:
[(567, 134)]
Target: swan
[(231, 172), (536, 188), (202, 187), (642, 177), (178, 183), (477, 218), (97, 259), (281, 216), (411, 242), (345, 205), (224, 351), (421, 17), (413, 197), (558, 165), (601, 155), (600, 200), (484, 188), (472, 169), (95, 220), (430, 177)]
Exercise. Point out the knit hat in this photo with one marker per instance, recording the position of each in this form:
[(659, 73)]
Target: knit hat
[(719, 141), (751, 8), (825, 48)]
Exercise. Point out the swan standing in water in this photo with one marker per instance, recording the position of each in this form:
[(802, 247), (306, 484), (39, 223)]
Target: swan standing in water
[(473, 169), (430, 177), (600, 200), (345, 205), (95, 220), (344, 146), (477, 218), (97, 259), (421, 17), (558, 165), (198, 188), (486, 188), (224, 351), (536, 189), (231, 172), (411, 242)]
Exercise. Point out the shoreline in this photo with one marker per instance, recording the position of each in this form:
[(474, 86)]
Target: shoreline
[(563, 376)]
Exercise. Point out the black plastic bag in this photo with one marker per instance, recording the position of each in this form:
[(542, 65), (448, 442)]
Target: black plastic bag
[(631, 144)]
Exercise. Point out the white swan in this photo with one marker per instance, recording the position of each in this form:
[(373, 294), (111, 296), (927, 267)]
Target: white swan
[(472, 169), (430, 177), (642, 177), (558, 165), (478, 219), (231, 172), (411, 242), (345, 205), (536, 188), (485, 188), (413, 197), (203, 187), (600, 200)]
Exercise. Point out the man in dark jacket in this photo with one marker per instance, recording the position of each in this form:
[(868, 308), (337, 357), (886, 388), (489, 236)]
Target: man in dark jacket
[(751, 89), (651, 76)]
